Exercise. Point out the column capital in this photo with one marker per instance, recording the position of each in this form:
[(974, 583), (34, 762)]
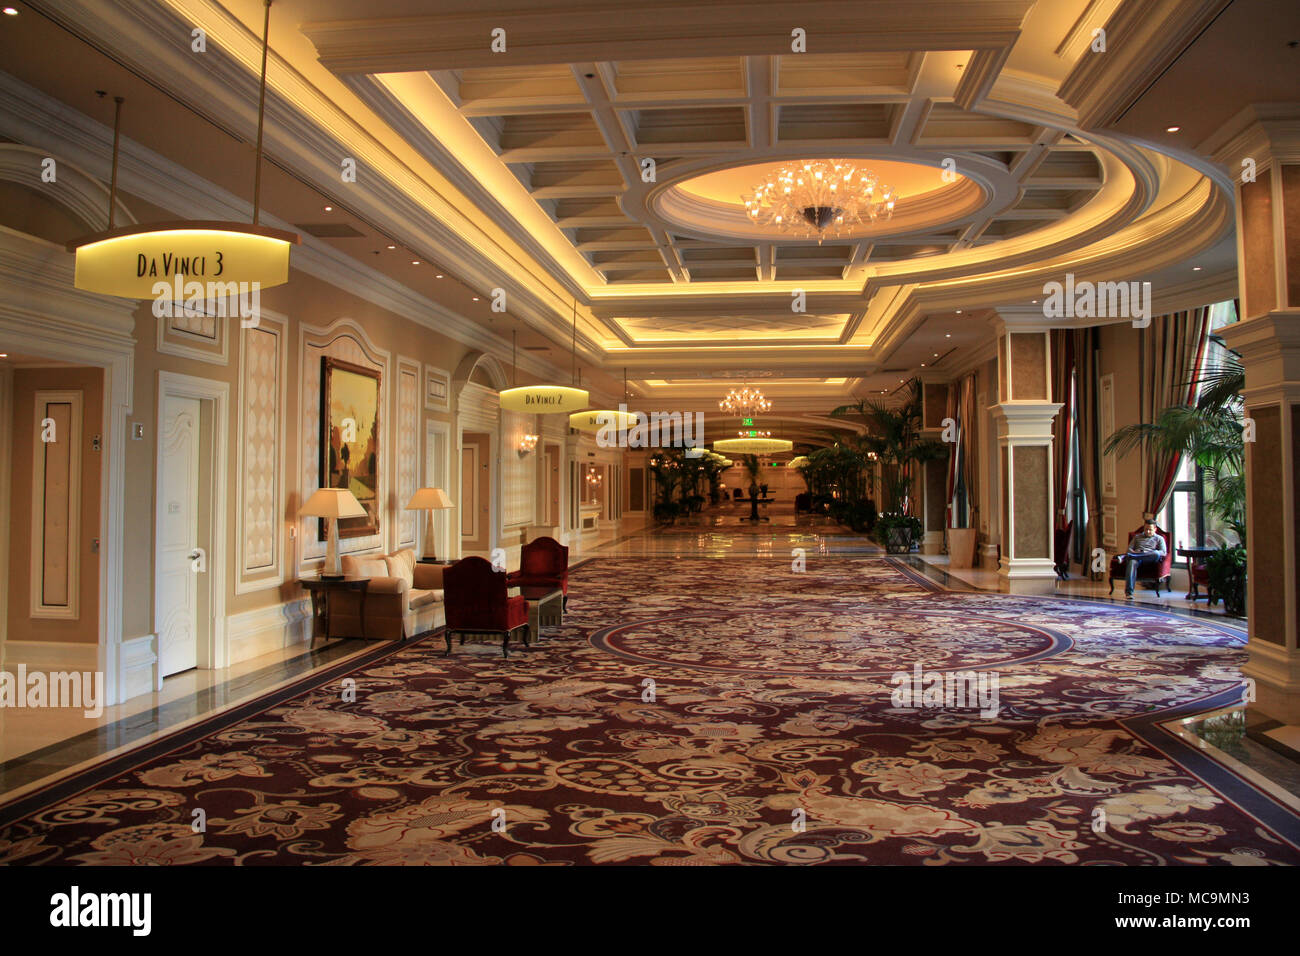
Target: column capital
[(1025, 421), (1021, 318), (1263, 132)]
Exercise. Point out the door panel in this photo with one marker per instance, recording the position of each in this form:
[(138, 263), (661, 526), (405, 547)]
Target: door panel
[(176, 605)]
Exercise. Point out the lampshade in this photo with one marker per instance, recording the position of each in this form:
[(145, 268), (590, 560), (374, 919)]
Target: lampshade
[(333, 503), (429, 498)]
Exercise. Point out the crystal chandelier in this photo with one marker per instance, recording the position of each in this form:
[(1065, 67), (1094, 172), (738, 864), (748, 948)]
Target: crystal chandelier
[(820, 198), (744, 403)]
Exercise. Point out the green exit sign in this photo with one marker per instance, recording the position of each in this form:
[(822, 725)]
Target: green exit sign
[(747, 421)]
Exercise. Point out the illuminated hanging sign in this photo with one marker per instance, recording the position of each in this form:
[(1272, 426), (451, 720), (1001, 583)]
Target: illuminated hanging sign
[(752, 446), (165, 260), (544, 399), (747, 421), (595, 419)]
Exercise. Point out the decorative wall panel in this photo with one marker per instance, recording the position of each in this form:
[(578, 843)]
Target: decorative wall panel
[(261, 455), (56, 504), (518, 473), (407, 442)]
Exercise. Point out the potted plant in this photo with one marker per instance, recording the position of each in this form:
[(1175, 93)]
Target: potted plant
[(1227, 571), (898, 532)]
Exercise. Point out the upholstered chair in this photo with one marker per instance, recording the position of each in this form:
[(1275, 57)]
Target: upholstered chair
[(477, 602), (543, 562)]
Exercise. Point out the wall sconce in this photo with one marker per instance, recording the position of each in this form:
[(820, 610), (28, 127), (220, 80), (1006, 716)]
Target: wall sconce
[(527, 444)]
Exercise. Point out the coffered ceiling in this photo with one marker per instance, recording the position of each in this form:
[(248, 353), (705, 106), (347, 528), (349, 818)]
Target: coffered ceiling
[(601, 157)]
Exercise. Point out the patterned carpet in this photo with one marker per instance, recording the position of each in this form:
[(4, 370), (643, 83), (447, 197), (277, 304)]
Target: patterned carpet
[(698, 712)]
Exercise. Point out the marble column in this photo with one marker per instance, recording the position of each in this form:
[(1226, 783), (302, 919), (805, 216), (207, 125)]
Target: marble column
[(1264, 150), (1024, 415)]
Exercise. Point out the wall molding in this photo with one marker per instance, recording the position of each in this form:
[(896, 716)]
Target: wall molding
[(248, 580), (266, 629), (34, 118)]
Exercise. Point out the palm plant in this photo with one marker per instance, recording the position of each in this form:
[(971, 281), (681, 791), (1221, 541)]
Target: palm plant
[(893, 433), (1209, 433)]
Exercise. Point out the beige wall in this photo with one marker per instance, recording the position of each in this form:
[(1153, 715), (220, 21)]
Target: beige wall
[(21, 625), (303, 300)]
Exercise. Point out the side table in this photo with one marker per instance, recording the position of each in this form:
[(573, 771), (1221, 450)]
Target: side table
[(320, 590)]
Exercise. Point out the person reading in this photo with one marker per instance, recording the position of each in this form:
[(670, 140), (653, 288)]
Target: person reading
[(1145, 547)]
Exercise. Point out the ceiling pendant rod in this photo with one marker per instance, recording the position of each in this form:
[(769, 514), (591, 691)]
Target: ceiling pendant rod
[(261, 116), (117, 134), (514, 357), (574, 372)]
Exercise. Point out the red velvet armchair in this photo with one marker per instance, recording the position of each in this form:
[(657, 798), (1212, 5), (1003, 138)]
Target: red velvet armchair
[(543, 562), (476, 603), (1158, 573)]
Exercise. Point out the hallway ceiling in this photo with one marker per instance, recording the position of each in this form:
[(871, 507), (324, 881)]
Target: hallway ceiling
[(524, 169)]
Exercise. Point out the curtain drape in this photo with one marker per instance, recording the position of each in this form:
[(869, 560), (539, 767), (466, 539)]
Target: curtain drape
[(969, 448), (1063, 375), (961, 454), (1087, 346), (1173, 353)]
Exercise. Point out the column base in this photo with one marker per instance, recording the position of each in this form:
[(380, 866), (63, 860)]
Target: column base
[(932, 542), (1027, 576), (988, 557), (1276, 673)]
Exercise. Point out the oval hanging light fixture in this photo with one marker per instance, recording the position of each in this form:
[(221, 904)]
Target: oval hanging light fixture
[(619, 419), (186, 259), (752, 446), (549, 399)]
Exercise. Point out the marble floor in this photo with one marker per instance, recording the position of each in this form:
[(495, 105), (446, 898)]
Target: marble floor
[(39, 746)]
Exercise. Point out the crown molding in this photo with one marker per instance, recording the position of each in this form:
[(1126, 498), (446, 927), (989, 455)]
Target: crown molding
[(456, 38), (305, 132), (1142, 38), (30, 116)]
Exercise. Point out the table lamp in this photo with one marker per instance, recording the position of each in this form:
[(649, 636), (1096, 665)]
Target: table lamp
[(332, 504), (429, 499)]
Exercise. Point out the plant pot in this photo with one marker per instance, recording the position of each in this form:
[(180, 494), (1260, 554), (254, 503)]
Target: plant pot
[(899, 540), (961, 547)]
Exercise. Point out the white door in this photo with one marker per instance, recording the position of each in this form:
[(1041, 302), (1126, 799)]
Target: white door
[(177, 588)]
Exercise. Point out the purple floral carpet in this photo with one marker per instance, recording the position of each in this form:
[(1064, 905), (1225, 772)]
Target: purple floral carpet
[(709, 712)]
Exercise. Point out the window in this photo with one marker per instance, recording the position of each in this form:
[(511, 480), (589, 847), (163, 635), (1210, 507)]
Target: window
[(1184, 516)]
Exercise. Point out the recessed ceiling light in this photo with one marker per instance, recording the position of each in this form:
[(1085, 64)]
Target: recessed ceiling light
[(329, 208), (1196, 268), (1172, 129), (959, 311), (922, 365), (475, 298), (1035, 302), (947, 335), (10, 12), (415, 262), (438, 276), (936, 354), (392, 247), (4, 354)]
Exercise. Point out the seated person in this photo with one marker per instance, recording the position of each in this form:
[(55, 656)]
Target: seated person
[(1146, 547)]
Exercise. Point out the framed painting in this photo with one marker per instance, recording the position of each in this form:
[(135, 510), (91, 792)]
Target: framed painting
[(350, 440)]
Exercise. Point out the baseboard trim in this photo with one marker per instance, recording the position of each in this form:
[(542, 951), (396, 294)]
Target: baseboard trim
[(254, 633)]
